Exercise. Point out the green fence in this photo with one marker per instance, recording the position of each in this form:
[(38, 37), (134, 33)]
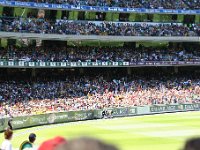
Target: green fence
[(28, 121), (172, 108), (45, 119)]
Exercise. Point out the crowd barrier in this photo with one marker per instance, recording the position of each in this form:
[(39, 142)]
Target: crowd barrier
[(104, 38), (62, 117)]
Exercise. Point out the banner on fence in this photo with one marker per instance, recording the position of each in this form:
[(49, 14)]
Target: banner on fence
[(91, 64), (95, 8)]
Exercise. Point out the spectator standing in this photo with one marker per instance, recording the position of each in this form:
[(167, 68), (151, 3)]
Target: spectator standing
[(6, 145)]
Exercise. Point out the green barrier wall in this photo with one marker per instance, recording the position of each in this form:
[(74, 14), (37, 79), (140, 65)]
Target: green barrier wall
[(45, 119), (3, 123)]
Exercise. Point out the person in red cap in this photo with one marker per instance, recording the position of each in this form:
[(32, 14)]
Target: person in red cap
[(52, 144)]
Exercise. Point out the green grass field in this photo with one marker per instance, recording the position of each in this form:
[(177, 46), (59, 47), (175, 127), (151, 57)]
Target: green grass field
[(156, 132)]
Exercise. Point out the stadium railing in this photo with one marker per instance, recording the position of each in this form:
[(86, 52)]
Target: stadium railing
[(25, 64), (71, 116), (98, 37)]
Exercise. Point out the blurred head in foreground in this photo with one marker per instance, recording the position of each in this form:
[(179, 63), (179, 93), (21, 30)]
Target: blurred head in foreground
[(192, 144), (52, 144), (85, 144)]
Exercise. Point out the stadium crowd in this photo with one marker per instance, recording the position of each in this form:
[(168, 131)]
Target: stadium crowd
[(25, 97), (154, 4), (96, 54), (30, 25)]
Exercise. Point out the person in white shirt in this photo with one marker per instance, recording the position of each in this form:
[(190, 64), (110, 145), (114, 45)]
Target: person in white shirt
[(6, 145)]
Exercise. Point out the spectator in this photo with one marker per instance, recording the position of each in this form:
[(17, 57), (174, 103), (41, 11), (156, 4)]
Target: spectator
[(29, 144), (6, 145)]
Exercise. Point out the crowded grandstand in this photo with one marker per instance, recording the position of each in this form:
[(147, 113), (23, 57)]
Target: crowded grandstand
[(48, 93), (98, 28)]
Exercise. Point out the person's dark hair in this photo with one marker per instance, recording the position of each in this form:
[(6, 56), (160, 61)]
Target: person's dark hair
[(8, 134), (192, 144), (32, 137)]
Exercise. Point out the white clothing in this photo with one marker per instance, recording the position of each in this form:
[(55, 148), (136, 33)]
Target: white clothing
[(6, 145)]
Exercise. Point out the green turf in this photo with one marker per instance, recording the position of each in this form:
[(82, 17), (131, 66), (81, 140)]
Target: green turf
[(157, 132)]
